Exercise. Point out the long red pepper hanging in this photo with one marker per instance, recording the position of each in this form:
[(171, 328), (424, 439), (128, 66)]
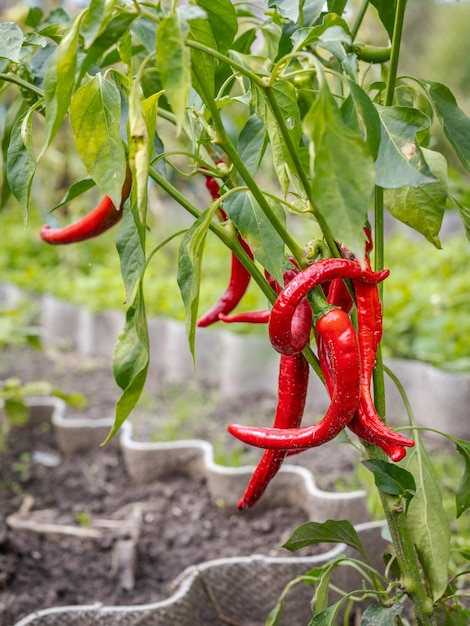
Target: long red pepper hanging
[(337, 332), (239, 275), (99, 220), (292, 385)]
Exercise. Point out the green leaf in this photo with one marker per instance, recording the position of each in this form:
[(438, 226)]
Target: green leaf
[(11, 40), (462, 493), (130, 244), (331, 531), (189, 269), (283, 93), (202, 65), (328, 616), (337, 6), (252, 143), (257, 230), (400, 161), (361, 116), (464, 213), (422, 207), (331, 34), (131, 360), (59, 81), (427, 521), (223, 21), (95, 115), (174, 64), (139, 157), (392, 479), (375, 615), (96, 17), (455, 123), (386, 10), (342, 170), (75, 190), (21, 161)]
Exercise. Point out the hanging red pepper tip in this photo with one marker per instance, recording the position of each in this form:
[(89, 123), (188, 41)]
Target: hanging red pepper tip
[(292, 385), (99, 220), (250, 317), (337, 332)]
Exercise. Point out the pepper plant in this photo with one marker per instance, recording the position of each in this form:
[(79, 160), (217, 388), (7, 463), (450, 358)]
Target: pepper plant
[(304, 136)]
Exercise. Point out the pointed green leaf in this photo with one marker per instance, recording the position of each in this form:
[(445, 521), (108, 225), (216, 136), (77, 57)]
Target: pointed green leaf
[(14, 112), (336, 6), (455, 123), (59, 81), (138, 149), (392, 479), (252, 143), (422, 207), (462, 493), (130, 244), (11, 40), (332, 531), (400, 161), (361, 115), (189, 269), (328, 616), (386, 10), (21, 161), (223, 21), (342, 170), (96, 17), (427, 521), (375, 615), (131, 360), (174, 64), (464, 213), (332, 33), (75, 190), (257, 230), (283, 93), (202, 65), (95, 115)]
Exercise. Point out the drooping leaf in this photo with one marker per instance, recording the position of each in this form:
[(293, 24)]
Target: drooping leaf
[(462, 493), (328, 616), (138, 150), (422, 207), (284, 99), (342, 170), (11, 40), (455, 123), (14, 112), (427, 521), (130, 244), (400, 161), (96, 17), (59, 81), (288, 9), (21, 161), (223, 21), (75, 190), (464, 213), (131, 360), (332, 531), (361, 115), (252, 143), (386, 10), (257, 230), (375, 615), (174, 63), (202, 65), (392, 479), (331, 34), (95, 115), (189, 269)]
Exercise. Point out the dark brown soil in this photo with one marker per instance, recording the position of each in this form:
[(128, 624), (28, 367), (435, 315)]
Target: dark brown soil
[(179, 523)]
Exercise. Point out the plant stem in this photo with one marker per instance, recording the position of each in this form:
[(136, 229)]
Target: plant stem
[(12, 78), (395, 54), (359, 17)]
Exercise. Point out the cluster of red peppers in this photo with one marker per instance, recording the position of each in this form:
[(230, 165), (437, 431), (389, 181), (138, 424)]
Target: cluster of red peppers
[(347, 356)]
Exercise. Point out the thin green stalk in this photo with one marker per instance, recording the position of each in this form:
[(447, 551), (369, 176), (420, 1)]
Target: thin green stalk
[(395, 54), (359, 17), (12, 78)]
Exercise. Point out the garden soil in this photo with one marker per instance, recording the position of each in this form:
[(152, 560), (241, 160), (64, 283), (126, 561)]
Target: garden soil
[(178, 523)]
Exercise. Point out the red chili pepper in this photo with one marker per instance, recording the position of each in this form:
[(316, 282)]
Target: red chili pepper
[(250, 317), (288, 338), (99, 220), (293, 385), (337, 332)]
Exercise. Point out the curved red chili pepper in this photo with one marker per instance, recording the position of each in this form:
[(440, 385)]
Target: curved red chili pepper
[(99, 220), (293, 385), (282, 334), (250, 317), (337, 332)]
